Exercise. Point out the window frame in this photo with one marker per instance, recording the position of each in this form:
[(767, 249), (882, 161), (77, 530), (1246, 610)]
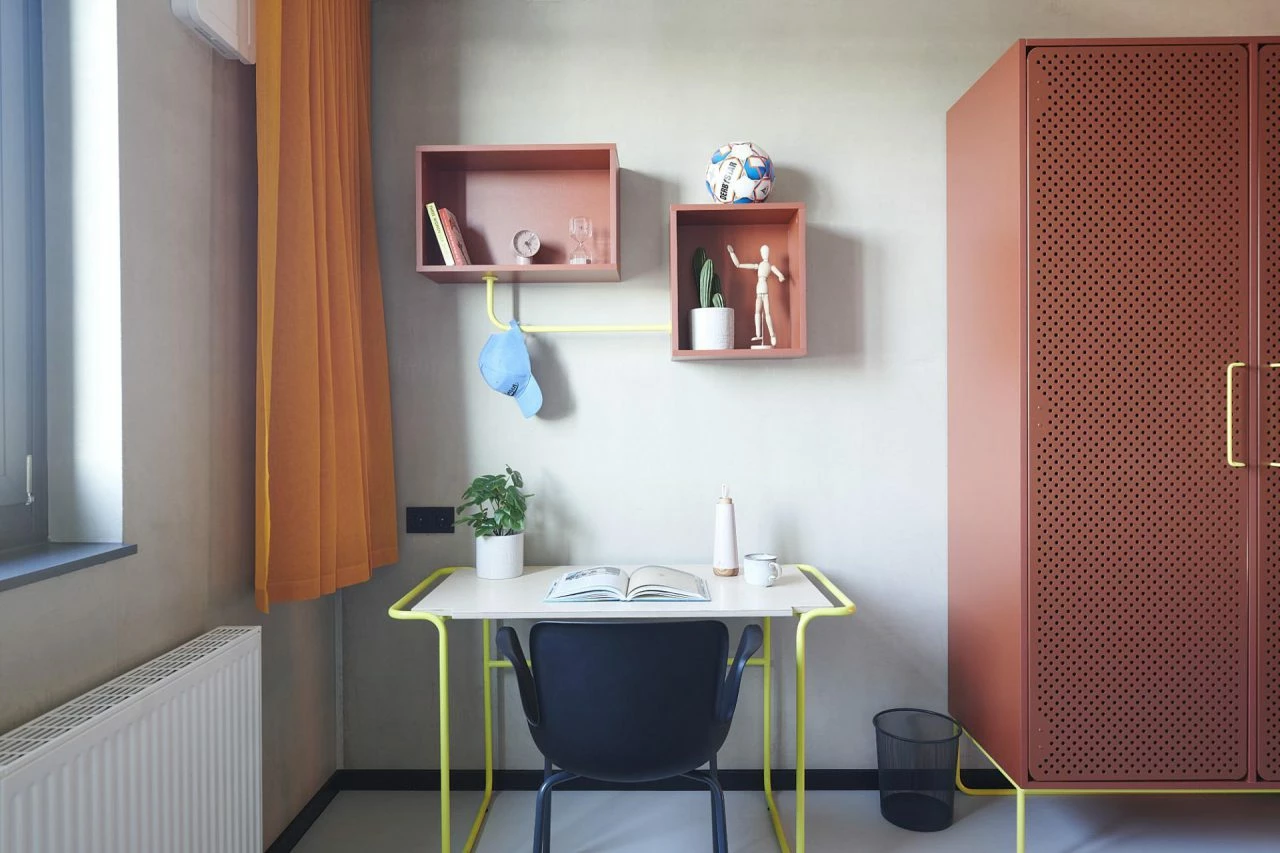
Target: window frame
[(26, 522)]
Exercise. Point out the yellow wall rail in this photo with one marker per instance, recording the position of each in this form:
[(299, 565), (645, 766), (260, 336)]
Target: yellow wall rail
[(490, 280)]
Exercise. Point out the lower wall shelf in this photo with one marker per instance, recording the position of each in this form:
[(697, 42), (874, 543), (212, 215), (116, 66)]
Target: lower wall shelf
[(747, 227)]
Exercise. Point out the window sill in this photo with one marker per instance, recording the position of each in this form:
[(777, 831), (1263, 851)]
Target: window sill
[(33, 563)]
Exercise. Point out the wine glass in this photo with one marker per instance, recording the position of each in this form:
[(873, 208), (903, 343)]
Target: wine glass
[(580, 231)]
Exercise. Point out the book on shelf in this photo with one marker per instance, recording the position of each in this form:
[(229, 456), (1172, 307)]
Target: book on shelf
[(453, 233), (438, 227), (610, 583)]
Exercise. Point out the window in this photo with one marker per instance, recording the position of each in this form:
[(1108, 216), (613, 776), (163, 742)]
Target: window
[(23, 511)]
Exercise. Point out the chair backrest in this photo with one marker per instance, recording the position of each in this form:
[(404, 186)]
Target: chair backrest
[(628, 702)]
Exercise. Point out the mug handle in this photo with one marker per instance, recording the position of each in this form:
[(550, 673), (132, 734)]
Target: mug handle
[(774, 573)]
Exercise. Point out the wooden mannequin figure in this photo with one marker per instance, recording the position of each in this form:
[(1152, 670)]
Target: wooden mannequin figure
[(762, 294)]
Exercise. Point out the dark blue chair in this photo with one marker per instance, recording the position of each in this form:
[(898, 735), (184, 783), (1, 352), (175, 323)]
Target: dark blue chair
[(628, 702)]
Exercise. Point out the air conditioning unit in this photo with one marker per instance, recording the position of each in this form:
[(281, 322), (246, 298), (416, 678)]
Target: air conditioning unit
[(226, 24)]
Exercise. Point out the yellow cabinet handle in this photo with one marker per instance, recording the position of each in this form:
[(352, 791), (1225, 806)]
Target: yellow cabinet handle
[(1230, 457), (1274, 365)]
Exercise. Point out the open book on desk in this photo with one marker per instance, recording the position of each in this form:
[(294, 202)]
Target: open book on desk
[(609, 583)]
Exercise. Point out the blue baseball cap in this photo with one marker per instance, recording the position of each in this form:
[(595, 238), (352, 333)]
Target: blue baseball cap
[(504, 364)]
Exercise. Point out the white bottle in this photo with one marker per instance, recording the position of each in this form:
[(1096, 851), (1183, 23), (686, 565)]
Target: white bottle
[(724, 562)]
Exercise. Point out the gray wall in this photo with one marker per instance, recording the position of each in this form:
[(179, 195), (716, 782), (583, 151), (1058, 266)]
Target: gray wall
[(188, 311), (838, 459)]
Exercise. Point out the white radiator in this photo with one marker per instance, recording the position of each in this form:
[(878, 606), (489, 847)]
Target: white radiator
[(164, 759)]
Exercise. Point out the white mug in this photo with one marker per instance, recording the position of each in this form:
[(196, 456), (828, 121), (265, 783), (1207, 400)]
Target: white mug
[(760, 569)]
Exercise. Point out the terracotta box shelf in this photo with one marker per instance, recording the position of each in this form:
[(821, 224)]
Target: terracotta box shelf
[(497, 190), (746, 227)]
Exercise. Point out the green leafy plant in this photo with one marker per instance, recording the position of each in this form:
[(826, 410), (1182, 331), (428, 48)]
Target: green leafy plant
[(498, 504), (704, 271)]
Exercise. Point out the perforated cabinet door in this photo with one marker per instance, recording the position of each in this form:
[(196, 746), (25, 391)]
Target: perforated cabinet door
[(1139, 282), (1269, 278)]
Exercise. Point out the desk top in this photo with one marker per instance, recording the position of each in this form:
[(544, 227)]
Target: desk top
[(462, 595)]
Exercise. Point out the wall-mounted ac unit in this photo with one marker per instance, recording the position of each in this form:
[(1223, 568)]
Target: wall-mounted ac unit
[(226, 24)]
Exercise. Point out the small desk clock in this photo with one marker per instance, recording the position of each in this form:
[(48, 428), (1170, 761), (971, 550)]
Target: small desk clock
[(526, 245)]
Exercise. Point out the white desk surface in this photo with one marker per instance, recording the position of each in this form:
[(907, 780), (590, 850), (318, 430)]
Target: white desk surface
[(462, 595)]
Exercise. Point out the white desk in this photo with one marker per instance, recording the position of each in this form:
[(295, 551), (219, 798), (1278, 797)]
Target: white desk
[(456, 593), (464, 596)]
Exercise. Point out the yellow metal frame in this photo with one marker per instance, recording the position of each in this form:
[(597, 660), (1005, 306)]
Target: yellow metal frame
[(1020, 819), (401, 610), (490, 280)]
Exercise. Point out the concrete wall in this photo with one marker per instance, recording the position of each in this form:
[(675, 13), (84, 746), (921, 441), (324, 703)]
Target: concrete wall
[(188, 220), (838, 459)]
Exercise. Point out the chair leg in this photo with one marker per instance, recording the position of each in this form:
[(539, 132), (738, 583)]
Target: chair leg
[(719, 832), (717, 809), (719, 829), (542, 811)]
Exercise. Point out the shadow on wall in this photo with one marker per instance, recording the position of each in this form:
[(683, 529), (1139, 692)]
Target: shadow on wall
[(416, 95), (838, 307), (548, 367), (835, 268), (645, 218)]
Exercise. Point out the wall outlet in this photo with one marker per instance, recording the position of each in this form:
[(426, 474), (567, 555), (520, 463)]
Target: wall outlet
[(428, 519)]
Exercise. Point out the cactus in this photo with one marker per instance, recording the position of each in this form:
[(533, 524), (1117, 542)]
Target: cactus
[(709, 293), (699, 258), (706, 280)]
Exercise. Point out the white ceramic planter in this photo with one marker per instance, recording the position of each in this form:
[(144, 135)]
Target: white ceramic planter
[(500, 558), (712, 328)]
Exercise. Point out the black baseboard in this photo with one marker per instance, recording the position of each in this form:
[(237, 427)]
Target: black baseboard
[(310, 813), (529, 780)]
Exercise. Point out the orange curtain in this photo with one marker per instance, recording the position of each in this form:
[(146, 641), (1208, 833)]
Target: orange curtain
[(326, 507)]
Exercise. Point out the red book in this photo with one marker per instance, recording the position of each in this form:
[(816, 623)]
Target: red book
[(454, 235)]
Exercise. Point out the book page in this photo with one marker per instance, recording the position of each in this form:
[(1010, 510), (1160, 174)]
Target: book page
[(598, 583), (663, 582)]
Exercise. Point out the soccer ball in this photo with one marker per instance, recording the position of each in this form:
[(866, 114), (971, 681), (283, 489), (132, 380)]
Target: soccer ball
[(740, 173)]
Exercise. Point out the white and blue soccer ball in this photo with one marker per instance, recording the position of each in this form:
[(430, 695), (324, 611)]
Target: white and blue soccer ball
[(740, 173)]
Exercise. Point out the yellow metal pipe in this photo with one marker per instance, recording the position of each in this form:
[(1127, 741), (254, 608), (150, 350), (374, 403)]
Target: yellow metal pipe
[(767, 665), (847, 608), (490, 280), (478, 824), (1020, 821), (401, 610), (1020, 814), (443, 646)]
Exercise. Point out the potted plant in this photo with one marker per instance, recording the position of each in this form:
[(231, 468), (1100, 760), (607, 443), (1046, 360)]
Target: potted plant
[(712, 324), (498, 522)]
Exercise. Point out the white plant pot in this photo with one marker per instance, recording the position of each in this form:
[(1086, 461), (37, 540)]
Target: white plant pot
[(712, 328), (500, 558)]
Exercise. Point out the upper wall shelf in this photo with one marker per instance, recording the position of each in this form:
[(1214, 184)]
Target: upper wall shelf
[(780, 226), (497, 190)]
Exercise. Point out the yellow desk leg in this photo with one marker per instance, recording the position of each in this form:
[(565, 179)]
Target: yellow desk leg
[(402, 610), (487, 672), (445, 837), (846, 608), (767, 665)]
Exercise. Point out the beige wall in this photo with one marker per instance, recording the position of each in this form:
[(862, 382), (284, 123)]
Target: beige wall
[(188, 219), (838, 459)]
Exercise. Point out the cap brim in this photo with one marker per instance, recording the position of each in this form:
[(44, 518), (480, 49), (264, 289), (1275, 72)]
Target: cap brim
[(529, 398)]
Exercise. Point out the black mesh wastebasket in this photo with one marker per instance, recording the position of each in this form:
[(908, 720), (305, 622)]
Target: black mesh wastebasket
[(916, 753)]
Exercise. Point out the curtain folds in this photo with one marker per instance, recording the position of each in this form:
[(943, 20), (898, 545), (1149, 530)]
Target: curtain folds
[(325, 503)]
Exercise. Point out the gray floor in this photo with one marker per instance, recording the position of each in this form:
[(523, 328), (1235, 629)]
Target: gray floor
[(645, 822)]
